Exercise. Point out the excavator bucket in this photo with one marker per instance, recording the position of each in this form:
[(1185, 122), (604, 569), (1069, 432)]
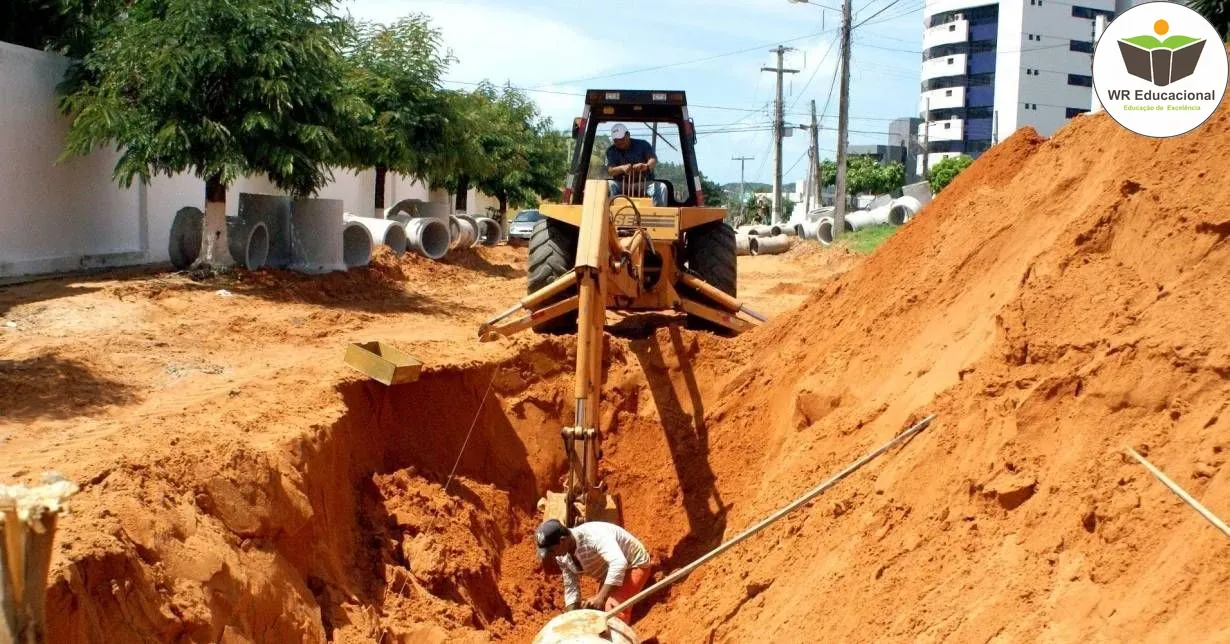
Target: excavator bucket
[(604, 507)]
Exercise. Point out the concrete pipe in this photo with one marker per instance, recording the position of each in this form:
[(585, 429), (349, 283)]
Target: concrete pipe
[(743, 244), (824, 229), (186, 231), (315, 246), (902, 210), (772, 245), (427, 237), (248, 242), (811, 230), (275, 212), (467, 232), (356, 245), (390, 232), (746, 229), (409, 207), (489, 231), (794, 229), (586, 627)]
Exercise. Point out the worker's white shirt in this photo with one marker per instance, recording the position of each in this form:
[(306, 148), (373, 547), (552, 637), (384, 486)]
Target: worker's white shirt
[(605, 551)]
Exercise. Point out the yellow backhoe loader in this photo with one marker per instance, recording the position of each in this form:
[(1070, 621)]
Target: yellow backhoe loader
[(596, 252)]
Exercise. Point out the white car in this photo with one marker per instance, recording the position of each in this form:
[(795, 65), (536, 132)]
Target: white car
[(522, 226)]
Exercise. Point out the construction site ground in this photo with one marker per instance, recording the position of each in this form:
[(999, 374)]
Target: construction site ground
[(1059, 301)]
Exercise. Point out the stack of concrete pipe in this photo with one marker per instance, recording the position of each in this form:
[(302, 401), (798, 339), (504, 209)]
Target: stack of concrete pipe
[(764, 240), (390, 232), (304, 235)]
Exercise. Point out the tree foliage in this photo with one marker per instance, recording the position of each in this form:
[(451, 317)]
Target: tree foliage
[(395, 69), (504, 147), (221, 89), (1217, 12), (68, 27), (864, 175), (945, 171)]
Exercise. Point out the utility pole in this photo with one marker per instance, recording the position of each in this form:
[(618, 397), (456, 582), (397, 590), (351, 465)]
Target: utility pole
[(926, 151), (1099, 26), (742, 202), (995, 131), (843, 119), (814, 171), (778, 131)]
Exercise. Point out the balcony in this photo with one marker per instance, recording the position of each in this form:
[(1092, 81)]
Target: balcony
[(946, 34), (947, 130), (942, 99), (945, 66)]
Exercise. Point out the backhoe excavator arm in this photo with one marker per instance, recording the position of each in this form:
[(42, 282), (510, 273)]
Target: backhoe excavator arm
[(607, 268)]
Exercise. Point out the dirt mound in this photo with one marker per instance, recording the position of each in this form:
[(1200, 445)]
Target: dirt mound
[(1061, 299)]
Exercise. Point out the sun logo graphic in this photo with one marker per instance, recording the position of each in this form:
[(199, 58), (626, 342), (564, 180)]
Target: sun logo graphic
[(1160, 69), (1161, 62)]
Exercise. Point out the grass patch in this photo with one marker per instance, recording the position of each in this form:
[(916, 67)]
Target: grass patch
[(868, 239)]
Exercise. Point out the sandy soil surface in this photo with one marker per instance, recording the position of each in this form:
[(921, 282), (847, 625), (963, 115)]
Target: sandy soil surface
[(213, 426)]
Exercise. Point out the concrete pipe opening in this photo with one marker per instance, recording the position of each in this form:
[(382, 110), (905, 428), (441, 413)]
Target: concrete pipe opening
[(356, 245), (489, 232), (395, 238), (753, 245), (775, 230), (428, 237), (825, 230), (256, 247), (798, 230), (903, 210)]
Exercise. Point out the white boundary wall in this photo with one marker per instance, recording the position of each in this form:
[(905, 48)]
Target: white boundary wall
[(56, 218)]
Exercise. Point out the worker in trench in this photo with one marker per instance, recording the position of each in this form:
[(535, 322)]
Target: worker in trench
[(604, 551)]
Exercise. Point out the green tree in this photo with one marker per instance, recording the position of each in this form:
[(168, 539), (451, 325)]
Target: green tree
[(945, 171), (1217, 12), (503, 147), (221, 89), (396, 70), (715, 195), (68, 27)]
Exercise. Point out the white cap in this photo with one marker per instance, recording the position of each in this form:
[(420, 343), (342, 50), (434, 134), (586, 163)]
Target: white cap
[(619, 131)]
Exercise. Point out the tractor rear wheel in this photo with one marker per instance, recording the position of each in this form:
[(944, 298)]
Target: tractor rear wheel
[(709, 253), (553, 252)]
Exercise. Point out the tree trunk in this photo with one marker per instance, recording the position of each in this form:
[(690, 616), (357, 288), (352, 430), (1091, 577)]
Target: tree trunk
[(463, 187), (381, 171), (503, 212), (215, 253)]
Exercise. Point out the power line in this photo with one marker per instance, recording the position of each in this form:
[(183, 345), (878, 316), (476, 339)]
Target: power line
[(823, 56), (865, 20), (690, 62)]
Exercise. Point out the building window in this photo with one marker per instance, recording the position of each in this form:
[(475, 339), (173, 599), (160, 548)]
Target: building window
[(947, 92), (1090, 14), (1081, 46), (1073, 112), (949, 61), (1080, 80), (948, 126), (952, 27)]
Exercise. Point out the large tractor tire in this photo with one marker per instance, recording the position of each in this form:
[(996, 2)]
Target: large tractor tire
[(709, 253), (553, 252)]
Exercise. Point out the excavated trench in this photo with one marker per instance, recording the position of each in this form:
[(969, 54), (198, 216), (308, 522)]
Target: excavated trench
[(349, 534)]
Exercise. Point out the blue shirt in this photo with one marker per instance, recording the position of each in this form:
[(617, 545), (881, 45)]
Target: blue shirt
[(639, 151)]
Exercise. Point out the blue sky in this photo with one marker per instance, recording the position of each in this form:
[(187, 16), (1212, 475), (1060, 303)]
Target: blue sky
[(580, 45)]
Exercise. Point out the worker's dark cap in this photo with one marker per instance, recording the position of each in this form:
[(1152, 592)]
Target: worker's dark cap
[(549, 534)]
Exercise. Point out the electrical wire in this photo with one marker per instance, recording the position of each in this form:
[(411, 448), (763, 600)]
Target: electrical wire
[(689, 62)]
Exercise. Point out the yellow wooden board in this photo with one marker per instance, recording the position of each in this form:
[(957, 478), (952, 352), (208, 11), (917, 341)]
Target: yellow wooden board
[(383, 362)]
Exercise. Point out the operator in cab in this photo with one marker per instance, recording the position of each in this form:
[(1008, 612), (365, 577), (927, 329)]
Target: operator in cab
[(630, 162), (604, 551)]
